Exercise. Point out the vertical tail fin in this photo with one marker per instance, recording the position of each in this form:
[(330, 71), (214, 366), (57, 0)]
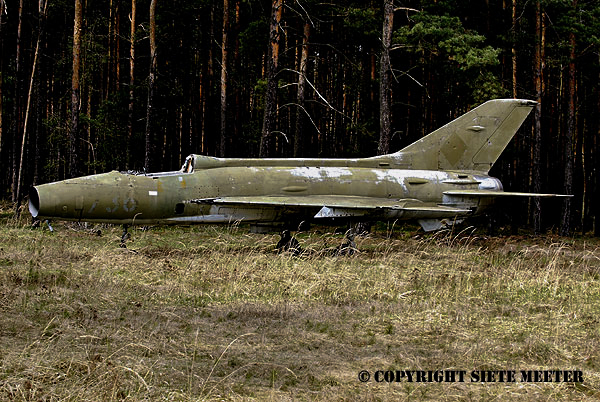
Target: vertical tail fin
[(473, 141)]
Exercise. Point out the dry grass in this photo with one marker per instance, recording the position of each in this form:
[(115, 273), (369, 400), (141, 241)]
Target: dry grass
[(212, 313)]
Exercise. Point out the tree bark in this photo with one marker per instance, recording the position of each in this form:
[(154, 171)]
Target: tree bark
[(514, 49), (75, 92), (537, 116), (109, 62), (2, 167), (150, 107), (117, 42), (224, 66), (236, 67), (385, 80), (41, 100), (42, 11), (131, 82), (271, 95), (16, 106), (596, 183), (565, 225), (301, 111)]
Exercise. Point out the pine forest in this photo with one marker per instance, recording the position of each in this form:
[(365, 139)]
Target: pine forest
[(91, 86)]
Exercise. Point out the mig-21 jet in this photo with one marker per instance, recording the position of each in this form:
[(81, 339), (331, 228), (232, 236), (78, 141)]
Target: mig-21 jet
[(443, 177)]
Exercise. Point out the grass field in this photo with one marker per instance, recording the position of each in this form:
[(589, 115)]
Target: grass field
[(213, 313)]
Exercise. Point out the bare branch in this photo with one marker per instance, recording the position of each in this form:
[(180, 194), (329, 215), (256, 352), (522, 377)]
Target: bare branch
[(406, 9), (291, 84), (305, 12), (316, 91), (408, 75), (305, 111), (282, 133)]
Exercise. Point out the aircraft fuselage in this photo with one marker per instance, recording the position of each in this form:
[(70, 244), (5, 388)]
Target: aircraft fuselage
[(441, 177), (176, 197)]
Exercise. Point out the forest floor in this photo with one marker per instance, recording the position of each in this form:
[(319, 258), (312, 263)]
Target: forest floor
[(214, 313)]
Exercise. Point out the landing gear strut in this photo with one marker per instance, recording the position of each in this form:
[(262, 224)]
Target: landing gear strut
[(124, 237), (288, 243)]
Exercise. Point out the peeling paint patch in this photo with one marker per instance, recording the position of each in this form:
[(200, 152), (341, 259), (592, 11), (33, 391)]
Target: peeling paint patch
[(320, 173)]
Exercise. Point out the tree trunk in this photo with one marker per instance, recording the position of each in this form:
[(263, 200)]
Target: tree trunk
[(224, 45), (537, 130), (42, 11), (16, 106), (596, 183), (131, 82), (236, 67), (149, 108), (2, 168), (565, 225), (117, 51), (514, 49), (385, 80), (271, 95), (301, 111), (109, 61), (39, 121), (75, 94)]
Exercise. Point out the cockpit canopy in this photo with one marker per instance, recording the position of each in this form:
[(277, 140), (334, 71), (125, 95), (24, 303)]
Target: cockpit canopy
[(194, 162), (188, 164)]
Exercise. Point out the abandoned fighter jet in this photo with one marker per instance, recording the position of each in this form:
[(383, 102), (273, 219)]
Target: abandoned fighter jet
[(442, 176)]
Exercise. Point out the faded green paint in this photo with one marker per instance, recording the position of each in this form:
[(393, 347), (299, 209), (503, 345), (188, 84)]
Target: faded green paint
[(442, 176)]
